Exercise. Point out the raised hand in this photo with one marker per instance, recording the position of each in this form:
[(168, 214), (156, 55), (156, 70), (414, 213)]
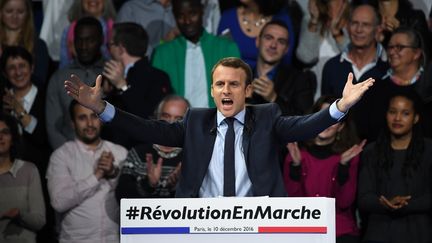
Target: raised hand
[(352, 93), (154, 172), (174, 176), (352, 152), (264, 87), (90, 97), (295, 153), (105, 164), (113, 71)]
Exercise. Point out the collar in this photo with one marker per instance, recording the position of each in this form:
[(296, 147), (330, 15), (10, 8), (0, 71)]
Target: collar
[(190, 44), (390, 74), (379, 54), (240, 117), (127, 68), (85, 148), (203, 37), (16, 165), (31, 95)]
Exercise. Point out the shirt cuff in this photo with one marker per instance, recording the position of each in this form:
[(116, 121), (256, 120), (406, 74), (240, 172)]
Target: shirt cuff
[(32, 125), (335, 113), (108, 113)]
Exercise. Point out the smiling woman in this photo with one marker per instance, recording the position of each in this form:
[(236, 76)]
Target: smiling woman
[(22, 208), (26, 102), (17, 29)]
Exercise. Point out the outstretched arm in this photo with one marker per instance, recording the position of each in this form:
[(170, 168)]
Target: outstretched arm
[(352, 93), (90, 97)]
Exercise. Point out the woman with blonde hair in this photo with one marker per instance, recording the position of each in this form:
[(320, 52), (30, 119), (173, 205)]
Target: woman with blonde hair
[(17, 29)]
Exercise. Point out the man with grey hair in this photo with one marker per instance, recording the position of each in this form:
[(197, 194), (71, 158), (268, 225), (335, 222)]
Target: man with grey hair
[(152, 170)]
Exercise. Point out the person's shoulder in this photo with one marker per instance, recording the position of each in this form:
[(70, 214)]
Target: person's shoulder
[(117, 148), (229, 13), (428, 144), (170, 46), (263, 108), (369, 148)]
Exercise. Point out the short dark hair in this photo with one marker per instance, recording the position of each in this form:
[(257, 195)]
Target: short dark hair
[(72, 109), (234, 62), (132, 37), (15, 52), (176, 4), (277, 22), (89, 21)]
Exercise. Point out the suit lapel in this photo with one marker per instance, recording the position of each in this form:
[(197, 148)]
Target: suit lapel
[(247, 133), (207, 146)]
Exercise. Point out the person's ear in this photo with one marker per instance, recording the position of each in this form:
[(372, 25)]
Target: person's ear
[(416, 118)]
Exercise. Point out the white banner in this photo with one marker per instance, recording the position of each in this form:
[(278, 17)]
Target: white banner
[(255, 219)]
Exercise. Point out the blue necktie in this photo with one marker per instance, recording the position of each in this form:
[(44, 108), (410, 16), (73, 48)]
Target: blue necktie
[(229, 159)]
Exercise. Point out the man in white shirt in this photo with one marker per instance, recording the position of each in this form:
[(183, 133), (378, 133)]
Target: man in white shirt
[(82, 176)]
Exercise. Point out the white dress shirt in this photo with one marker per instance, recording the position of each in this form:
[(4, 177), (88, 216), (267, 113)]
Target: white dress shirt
[(89, 211), (196, 88), (212, 185)]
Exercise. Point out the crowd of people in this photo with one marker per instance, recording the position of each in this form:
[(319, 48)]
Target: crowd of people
[(67, 158)]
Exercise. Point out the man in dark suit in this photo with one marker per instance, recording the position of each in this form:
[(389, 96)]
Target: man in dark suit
[(138, 87), (292, 89), (259, 130)]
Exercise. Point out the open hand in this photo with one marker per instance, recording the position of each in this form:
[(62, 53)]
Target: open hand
[(154, 171), (114, 72), (90, 97), (352, 152), (174, 176), (294, 151), (264, 87), (352, 93)]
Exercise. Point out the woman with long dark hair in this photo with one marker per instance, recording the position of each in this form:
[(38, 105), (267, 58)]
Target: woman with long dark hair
[(22, 207), (394, 182)]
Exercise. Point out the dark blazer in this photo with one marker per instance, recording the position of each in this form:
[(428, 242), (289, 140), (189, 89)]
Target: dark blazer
[(147, 87), (295, 90), (264, 131), (35, 145)]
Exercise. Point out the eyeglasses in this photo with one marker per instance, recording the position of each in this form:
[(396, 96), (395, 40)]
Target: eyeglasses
[(399, 48)]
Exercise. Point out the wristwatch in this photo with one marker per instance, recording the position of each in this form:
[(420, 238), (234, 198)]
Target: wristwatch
[(21, 115)]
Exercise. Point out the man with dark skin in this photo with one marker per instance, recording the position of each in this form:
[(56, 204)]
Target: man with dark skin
[(189, 58), (88, 64), (258, 132)]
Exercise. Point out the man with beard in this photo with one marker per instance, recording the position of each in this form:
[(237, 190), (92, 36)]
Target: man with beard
[(189, 58), (81, 181), (364, 56), (291, 89)]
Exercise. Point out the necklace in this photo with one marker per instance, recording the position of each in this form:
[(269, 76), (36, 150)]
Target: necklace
[(253, 24), (167, 155)]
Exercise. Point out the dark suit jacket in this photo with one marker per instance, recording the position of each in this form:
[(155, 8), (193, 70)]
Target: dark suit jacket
[(295, 90), (147, 87), (264, 131), (35, 145)]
